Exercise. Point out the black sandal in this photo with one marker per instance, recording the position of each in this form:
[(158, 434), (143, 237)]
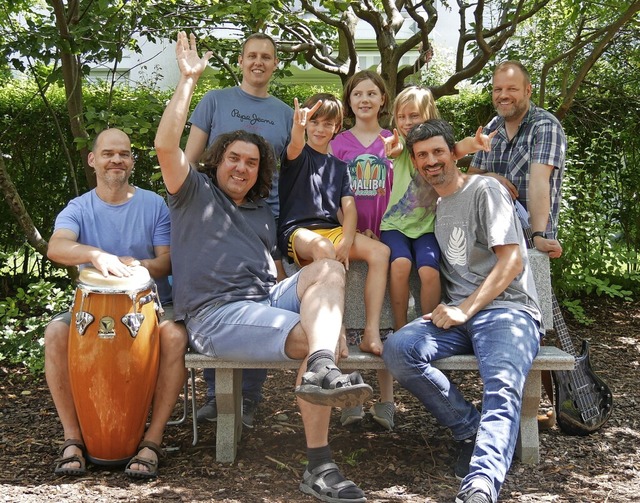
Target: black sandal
[(79, 458), (314, 484), (151, 464), (344, 390)]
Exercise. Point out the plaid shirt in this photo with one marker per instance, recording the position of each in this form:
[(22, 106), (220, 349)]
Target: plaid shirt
[(540, 139)]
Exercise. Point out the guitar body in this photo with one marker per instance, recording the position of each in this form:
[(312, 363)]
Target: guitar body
[(583, 401)]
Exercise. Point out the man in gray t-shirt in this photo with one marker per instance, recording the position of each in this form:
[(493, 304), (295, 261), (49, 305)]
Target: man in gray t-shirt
[(491, 310), (248, 107), (221, 224)]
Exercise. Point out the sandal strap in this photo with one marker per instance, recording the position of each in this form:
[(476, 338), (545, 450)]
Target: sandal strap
[(323, 469), (149, 463), (72, 441), (153, 446), (316, 480), (70, 459), (347, 380)]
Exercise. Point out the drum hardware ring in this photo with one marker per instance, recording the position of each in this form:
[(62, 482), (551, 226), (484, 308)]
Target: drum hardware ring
[(154, 293), (133, 321), (83, 318)]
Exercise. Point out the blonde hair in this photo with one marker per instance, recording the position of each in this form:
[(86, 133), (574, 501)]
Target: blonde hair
[(421, 97)]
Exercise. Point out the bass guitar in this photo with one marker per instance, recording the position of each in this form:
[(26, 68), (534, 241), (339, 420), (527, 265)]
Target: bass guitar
[(583, 401)]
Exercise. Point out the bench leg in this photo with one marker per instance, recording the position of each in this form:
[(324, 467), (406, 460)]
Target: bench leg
[(194, 405), (185, 406), (229, 401), (527, 448)]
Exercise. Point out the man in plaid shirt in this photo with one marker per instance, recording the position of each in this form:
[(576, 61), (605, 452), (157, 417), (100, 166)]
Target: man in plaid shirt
[(527, 154)]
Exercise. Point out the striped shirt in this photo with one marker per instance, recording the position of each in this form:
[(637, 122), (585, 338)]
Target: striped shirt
[(540, 139)]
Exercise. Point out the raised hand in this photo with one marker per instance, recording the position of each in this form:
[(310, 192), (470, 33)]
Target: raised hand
[(391, 143), (483, 141), (301, 115), (189, 62)]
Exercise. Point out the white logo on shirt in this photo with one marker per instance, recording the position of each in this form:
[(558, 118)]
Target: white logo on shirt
[(456, 252)]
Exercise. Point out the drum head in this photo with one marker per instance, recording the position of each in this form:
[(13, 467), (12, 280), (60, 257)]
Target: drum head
[(92, 278)]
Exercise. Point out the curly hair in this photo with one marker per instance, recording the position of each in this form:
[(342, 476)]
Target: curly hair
[(214, 155)]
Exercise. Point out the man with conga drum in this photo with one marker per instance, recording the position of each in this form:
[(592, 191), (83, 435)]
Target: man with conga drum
[(119, 235), (225, 288)]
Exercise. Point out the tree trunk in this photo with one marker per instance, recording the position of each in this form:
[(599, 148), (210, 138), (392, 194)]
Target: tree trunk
[(72, 75), (17, 208)]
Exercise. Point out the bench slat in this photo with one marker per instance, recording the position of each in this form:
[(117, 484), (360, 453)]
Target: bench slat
[(549, 358)]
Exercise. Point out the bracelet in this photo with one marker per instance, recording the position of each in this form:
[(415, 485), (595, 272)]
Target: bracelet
[(538, 233)]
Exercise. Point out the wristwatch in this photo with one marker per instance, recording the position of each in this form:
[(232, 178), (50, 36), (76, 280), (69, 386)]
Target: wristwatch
[(539, 233)]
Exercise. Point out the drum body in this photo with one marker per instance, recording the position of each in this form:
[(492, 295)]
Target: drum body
[(114, 353)]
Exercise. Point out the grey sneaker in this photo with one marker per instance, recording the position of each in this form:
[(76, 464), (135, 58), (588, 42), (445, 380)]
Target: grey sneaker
[(208, 412), (465, 451), (249, 408), (352, 415), (473, 495), (383, 413)]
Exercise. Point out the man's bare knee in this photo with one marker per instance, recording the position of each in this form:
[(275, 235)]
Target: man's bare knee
[(173, 337), (56, 335), (325, 271)]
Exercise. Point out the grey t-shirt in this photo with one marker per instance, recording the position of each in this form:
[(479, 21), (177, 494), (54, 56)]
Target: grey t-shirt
[(225, 110), (220, 252), (469, 223)]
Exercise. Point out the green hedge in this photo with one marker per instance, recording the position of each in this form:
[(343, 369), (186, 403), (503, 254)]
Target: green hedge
[(600, 220)]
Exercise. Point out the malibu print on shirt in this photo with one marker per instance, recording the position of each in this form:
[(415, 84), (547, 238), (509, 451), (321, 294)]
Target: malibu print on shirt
[(368, 175)]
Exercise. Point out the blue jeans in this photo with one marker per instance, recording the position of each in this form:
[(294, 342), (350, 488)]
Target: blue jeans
[(505, 342)]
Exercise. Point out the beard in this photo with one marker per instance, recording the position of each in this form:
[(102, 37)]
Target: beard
[(438, 179), (115, 179), (517, 109)]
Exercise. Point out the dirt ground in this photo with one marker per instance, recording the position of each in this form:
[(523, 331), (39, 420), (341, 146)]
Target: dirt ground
[(412, 463)]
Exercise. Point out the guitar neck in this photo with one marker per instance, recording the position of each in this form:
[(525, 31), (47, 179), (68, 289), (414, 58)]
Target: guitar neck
[(560, 327)]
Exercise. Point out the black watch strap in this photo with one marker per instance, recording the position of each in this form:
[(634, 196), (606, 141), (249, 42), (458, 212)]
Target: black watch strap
[(538, 233)]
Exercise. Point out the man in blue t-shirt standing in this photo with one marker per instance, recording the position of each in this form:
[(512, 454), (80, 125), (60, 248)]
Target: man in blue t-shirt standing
[(111, 228), (247, 107)]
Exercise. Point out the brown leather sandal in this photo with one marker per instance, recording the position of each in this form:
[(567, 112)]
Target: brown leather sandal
[(151, 464), (79, 458)]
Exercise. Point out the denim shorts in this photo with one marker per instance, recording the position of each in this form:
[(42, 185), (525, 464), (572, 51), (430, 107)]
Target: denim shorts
[(422, 251), (246, 329)]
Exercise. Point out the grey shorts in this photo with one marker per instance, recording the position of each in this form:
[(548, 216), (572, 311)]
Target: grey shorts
[(248, 330)]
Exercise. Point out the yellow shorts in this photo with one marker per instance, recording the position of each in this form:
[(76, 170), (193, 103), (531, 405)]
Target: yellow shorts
[(334, 235)]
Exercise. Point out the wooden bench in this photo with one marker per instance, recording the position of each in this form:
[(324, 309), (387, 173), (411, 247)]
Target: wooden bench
[(229, 373)]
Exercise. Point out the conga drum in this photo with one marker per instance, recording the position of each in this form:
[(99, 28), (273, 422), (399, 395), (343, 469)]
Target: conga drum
[(114, 353)]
